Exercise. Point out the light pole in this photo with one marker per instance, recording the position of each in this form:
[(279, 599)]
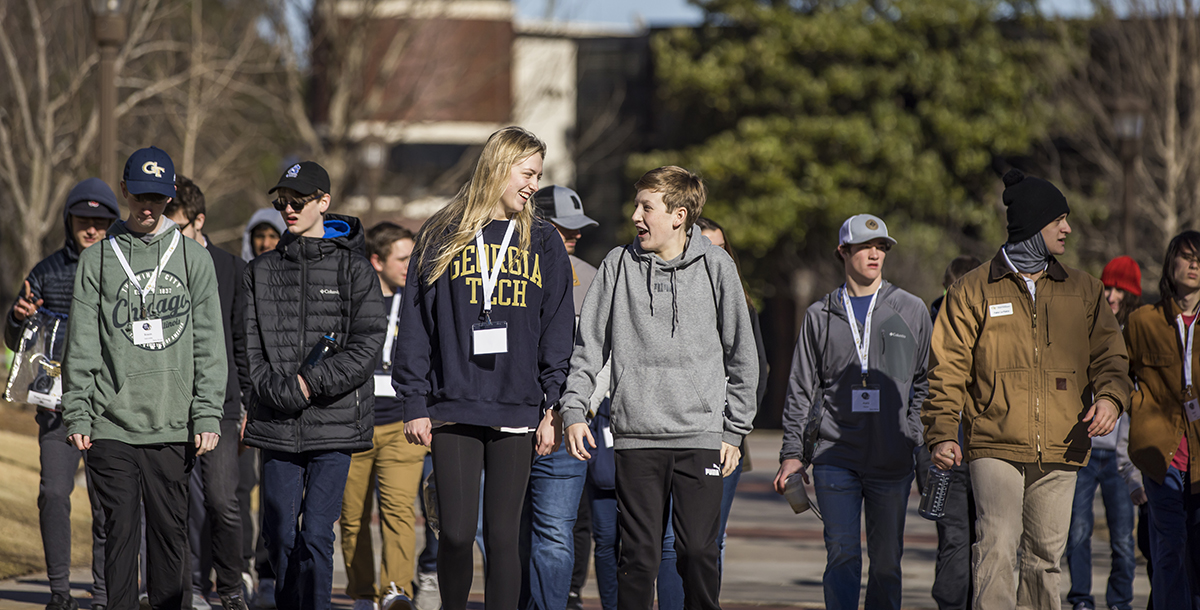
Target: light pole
[(1128, 123), (108, 23)]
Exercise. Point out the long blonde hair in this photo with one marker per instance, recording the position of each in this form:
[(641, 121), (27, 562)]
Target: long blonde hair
[(448, 231)]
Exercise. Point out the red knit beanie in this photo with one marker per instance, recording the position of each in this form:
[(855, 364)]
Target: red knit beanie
[(1123, 273)]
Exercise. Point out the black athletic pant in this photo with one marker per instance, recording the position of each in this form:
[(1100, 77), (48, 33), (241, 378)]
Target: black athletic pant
[(215, 523), (156, 475), (460, 453), (645, 479)]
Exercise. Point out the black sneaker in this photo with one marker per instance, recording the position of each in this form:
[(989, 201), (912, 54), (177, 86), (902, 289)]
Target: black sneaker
[(574, 602), (58, 601), (233, 602)]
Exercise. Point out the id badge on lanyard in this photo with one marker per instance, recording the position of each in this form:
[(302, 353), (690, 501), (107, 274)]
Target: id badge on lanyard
[(864, 398), (145, 331), (490, 337)]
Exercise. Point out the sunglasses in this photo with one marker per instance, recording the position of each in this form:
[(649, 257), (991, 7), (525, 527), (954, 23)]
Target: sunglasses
[(297, 205)]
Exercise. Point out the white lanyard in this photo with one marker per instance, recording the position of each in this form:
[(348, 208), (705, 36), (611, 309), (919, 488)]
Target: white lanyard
[(391, 331), (1187, 351), (153, 281), (862, 343), (490, 279)]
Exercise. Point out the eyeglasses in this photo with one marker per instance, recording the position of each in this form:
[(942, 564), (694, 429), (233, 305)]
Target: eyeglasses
[(297, 205)]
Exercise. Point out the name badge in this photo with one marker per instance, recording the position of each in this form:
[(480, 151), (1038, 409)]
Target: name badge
[(1003, 309), (1192, 408), (51, 400), (489, 338), (383, 386), (147, 332), (865, 399)]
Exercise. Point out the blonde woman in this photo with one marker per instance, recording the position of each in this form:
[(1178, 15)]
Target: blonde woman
[(484, 347)]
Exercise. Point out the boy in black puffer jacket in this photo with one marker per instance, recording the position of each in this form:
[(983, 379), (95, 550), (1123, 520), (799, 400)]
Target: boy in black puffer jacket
[(316, 283)]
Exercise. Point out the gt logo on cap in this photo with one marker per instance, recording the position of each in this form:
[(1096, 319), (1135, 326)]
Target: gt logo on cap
[(152, 168), (293, 171)]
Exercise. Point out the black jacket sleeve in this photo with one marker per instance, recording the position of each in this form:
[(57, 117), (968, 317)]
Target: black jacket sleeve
[(280, 392)]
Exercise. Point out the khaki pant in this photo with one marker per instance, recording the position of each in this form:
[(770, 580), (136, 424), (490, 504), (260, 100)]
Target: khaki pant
[(396, 465), (1026, 506)]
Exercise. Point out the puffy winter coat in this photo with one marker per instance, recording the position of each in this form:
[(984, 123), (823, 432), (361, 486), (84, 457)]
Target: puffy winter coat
[(304, 289)]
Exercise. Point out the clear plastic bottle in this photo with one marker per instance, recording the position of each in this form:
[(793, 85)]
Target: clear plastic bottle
[(933, 497)]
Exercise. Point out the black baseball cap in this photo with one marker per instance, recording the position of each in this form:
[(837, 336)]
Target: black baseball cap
[(305, 177)]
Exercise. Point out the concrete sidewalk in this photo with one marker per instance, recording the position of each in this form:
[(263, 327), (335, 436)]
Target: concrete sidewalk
[(774, 558)]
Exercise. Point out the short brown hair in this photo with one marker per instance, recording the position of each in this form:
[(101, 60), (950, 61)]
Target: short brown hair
[(381, 237), (680, 189), (188, 199)]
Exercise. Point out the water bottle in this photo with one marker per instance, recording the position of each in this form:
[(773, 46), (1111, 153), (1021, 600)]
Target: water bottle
[(324, 348), (933, 497)]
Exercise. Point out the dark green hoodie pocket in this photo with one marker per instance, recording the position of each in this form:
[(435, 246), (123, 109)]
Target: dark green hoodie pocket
[(150, 401)]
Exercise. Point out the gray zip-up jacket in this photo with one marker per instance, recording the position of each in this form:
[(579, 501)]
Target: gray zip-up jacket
[(684, 363), (826, 363)]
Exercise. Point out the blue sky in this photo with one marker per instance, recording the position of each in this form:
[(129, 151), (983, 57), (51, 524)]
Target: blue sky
[(667, 12)]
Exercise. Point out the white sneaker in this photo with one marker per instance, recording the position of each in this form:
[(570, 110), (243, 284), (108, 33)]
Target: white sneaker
[(264, 598), (365, 604), (428, 595), (395, 599)]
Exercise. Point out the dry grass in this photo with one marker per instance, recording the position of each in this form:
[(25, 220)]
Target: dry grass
[(20, 536)]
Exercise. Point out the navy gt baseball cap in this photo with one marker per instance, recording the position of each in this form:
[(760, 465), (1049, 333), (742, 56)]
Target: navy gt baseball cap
[(150, 170), (561, 206), (305, 178)]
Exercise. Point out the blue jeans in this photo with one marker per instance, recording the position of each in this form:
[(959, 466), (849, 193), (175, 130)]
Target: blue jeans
[(303, 500), (1174, 535), (842, 495), (1101, 471), (547, 524), (606, 538), (730, 482)]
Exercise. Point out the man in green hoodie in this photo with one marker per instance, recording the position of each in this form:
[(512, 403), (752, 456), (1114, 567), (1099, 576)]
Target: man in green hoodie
[(145, 372)]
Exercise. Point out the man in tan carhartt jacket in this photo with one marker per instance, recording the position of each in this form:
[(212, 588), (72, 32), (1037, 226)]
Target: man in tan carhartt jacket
[(1014, 351)]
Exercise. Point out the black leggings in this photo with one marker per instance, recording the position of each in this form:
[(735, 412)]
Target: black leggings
[(460, 452)]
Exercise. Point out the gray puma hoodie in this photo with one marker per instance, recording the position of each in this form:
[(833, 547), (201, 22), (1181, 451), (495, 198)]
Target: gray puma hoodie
[(684, 362)]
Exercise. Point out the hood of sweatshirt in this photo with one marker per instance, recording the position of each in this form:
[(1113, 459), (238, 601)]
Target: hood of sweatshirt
[(265, 216), (665, 271), (344, 232), (92, 189)]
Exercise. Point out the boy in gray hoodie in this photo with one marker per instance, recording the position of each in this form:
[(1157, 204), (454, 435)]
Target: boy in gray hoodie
[(670, 314), (854, 398)]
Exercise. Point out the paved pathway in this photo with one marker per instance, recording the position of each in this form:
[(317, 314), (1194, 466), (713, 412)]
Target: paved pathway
[(774, 559)]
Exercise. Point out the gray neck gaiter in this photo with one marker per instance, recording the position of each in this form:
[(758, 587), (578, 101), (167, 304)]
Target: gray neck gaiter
[(1029, 256)]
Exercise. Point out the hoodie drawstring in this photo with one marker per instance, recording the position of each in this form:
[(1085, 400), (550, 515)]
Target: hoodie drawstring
[(674, 304)]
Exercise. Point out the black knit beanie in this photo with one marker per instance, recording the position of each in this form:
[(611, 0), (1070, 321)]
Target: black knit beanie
[(1032, 204)]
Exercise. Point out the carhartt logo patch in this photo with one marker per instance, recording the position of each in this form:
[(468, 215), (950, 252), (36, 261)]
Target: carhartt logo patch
[(1060, 383), (151, 168), (871, 224)]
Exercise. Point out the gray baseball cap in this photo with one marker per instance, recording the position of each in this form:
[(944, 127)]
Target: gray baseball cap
[(862, 228), (561, 206)]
